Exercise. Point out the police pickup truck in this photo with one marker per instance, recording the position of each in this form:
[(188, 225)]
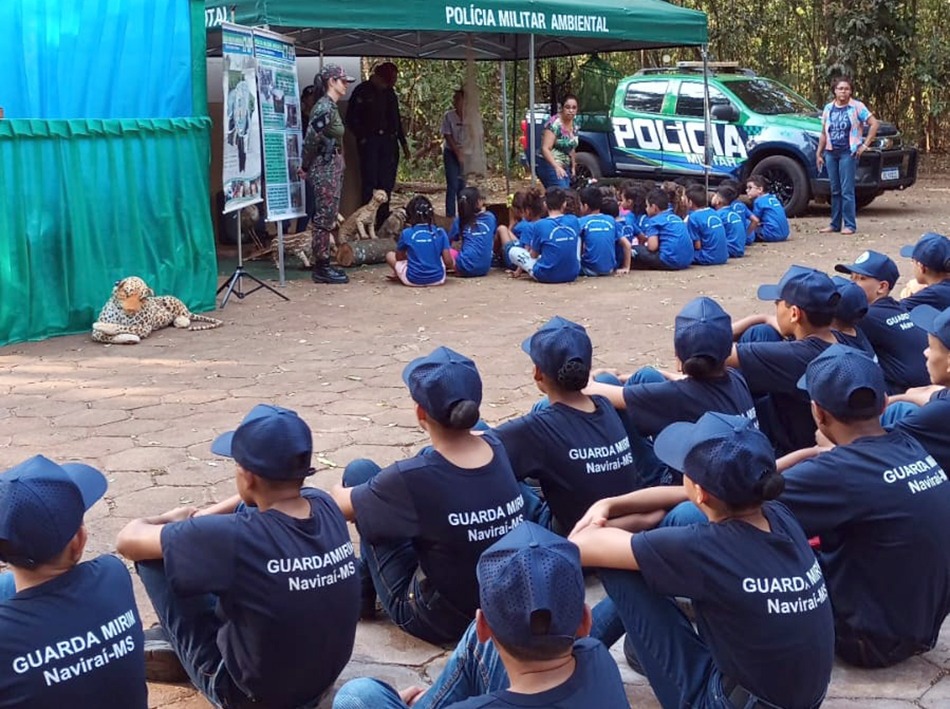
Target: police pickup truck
[(656, 127)]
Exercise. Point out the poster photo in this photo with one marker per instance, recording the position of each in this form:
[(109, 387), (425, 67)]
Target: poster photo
[(242, 178), (280, 124)]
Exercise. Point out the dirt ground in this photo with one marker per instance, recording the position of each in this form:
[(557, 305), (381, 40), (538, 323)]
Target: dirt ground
[(146, 414)]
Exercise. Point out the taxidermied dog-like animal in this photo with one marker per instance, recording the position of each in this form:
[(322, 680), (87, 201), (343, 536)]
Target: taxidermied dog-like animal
[(392, 227), (361, 224)]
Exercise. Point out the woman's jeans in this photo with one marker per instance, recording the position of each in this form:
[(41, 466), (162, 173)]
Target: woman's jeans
[(841, 170), (548, 175), (454, 180)]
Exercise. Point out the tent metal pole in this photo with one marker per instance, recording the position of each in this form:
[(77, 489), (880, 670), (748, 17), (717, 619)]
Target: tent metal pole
[(504, 118), (531, 137), (707, 141)]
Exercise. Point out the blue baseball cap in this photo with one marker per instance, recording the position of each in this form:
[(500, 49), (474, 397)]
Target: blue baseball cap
[(934, 321), (726, 455), (808, 288), (557, 342), (854, 301), (703, 329), (931, 250), (835, 376), (872, 264), (42, 505), (531, 570), (271, 442), (438, 381)]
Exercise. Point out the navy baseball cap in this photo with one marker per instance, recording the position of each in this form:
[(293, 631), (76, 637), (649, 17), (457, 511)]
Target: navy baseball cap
[(531, 570), (934, 321), (557, 342), (41, 507), (854, 301), (438, 381), (872, 264), (931, 250), (726, 455), (837, 374), (808, 288), (703, 329), (271, 442)]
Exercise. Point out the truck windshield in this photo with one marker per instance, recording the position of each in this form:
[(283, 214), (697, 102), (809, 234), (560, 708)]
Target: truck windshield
[(769, 97)]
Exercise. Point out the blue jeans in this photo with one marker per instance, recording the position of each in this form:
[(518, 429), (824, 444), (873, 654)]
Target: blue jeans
[(892, 415), (841, 169), (548, 175), (393, 567), (473, 669), (454, 180), (760, 333), (7, 586)]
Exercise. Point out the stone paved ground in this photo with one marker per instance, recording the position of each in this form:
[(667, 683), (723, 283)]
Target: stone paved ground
[(146, 414)]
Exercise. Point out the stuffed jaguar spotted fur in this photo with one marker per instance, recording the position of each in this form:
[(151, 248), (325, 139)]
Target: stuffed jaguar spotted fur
[(134, 312)]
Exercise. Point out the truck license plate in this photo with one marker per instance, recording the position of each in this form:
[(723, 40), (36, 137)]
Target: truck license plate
[(891, 173)]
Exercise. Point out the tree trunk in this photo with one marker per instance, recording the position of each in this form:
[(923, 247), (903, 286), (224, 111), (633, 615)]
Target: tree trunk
[(359, 253)]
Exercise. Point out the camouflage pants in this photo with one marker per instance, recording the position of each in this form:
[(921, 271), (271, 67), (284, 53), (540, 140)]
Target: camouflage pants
[(326, 178)]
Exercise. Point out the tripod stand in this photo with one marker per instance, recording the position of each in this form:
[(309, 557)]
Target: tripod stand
[(234, 283)]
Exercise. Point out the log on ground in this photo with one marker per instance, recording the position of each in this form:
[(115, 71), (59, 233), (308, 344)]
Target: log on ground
[(360, 253)]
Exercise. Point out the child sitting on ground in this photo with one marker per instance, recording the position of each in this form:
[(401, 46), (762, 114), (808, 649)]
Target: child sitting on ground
[(931, 256), (600, 238), (705, 228), (553, 257), (527, 208), (735, 226), (422, 255), (668, 246), (475, 229), (769, 222)]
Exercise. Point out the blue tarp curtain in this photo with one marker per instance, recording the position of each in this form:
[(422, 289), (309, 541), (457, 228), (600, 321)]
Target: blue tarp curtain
[(104, 167)]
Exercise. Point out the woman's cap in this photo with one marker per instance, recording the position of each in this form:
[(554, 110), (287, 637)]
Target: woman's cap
[(42, 506), (836, 378), (854, 301), (438, 381), (531, 570), (557, 342), (872, 264), (808, 288), (703, 329), (726, 455), (933, 321), (271, 442), (333, 71), (931, 250)]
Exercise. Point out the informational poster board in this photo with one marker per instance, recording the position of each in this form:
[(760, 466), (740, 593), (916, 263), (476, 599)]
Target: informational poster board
[(242, 127), (281, 124)]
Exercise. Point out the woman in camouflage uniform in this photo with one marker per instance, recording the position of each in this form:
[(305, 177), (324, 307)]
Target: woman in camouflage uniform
[(322, 165)]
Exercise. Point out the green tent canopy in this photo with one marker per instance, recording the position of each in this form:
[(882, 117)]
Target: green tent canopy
[(494, 29)]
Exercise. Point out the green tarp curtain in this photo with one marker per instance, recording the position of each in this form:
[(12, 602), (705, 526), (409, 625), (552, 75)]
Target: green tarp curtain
[(91, 201)]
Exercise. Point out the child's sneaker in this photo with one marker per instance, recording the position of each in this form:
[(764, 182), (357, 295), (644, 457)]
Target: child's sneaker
[(161, 660)]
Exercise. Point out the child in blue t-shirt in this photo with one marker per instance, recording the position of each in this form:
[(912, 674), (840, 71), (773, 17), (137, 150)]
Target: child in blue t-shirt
[(554, 257), (724, 201), (668, 246), (527, 207), (475, 229), (705, 228), (600, 237), (769, 222), (633, 203), (422, 255)]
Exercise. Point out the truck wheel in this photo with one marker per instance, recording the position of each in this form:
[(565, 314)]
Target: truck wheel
[(787, 181), (587, 165), (863, 200)]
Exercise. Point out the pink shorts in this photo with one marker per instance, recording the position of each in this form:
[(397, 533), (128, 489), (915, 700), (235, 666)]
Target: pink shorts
[(402, 271)]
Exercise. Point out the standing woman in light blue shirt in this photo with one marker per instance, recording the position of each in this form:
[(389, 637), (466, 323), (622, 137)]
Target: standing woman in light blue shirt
[(841, 145)]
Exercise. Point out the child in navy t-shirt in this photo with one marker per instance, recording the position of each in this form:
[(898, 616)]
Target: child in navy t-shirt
[(733, 223), (600, 237), (769, 222), (668, 245), (422, 253), (475, 229), (554, 257), (266, 575), (705, 229), (423, 522), (758, 593), (931, 255), (70, 634)]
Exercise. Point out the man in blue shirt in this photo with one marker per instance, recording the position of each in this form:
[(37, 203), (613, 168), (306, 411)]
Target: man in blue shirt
[(70, 635), (769, 222), (668, 247), (878, 502), (705, 229), (898, 344), (931, 255), (259, 594), (528, 644), (600, 237)]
